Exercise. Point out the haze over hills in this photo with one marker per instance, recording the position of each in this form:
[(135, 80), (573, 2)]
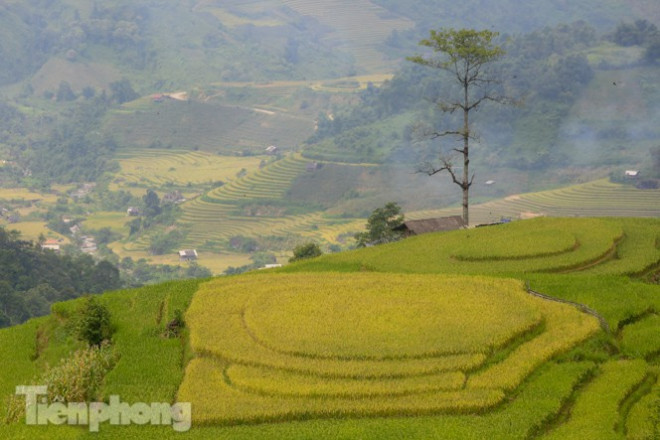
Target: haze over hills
[(184, 97)]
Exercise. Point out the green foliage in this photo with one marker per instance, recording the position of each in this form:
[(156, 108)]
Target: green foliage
[(381, 226), (76, 378), (655, 157), (74, 150), (305, 251), (64, 92), (140, 272), (164, 242), (638, 33), (122, 91), (32, 278), (465, 49), (93, 322), (79, 377), (176, 325)]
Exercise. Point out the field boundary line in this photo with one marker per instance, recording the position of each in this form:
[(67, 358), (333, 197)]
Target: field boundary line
[(582, 307)]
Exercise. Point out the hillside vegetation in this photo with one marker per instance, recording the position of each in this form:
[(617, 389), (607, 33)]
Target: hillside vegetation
[(431, 337)]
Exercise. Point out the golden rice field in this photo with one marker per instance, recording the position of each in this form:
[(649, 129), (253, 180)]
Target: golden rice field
[(290, 346), (159, 167)]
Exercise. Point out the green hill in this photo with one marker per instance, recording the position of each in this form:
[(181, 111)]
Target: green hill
[(432, 337)]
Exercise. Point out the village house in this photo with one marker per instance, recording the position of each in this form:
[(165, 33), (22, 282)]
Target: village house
[(51, 244), (132, 211), (188, 255), (272, 150), (313, 166)]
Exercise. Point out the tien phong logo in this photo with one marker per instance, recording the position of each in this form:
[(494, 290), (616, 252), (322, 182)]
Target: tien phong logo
[(39, 412)]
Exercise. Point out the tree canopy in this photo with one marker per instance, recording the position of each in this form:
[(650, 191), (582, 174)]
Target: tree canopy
[(465, 54), (381, 226)]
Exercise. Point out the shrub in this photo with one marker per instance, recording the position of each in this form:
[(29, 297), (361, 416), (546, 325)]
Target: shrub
[(77, 378), (305, 250), (93, 323), (175, 326)]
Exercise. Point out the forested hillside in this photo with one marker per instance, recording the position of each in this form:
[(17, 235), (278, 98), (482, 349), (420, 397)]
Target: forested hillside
[(33, 278)]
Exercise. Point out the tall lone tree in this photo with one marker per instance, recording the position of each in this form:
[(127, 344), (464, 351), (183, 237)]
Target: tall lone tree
[(466, 54)]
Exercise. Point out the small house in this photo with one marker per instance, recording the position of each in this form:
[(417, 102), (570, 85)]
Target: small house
[(272, 150), (51, 244), (132, 212), (188, 255), (425, 226), (632, 173), (313, 166)]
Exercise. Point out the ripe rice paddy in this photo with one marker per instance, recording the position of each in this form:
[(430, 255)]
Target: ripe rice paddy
[(366, 344)]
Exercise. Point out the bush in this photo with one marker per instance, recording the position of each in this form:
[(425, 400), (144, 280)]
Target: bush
[(305, 250), (77, 378), (175, 326), (93, 323)]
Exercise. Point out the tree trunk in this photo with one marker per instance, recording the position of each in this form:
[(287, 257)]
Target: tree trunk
[(466, 153)]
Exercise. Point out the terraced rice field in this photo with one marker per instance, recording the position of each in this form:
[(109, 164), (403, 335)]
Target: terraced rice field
[(214, 216), (600, 198), (366, 344), (154, 168)]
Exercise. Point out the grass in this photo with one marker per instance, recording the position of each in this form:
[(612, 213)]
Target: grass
[(643, 421), (605, 393), (642, 338)]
